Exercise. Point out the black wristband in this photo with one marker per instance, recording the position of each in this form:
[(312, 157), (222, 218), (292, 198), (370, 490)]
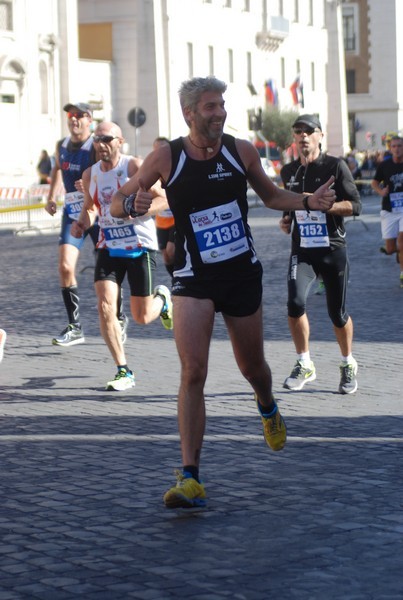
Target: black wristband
[(128, 206), (305, 203)]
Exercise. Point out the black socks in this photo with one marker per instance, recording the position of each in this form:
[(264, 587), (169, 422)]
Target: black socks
[(192, 470)]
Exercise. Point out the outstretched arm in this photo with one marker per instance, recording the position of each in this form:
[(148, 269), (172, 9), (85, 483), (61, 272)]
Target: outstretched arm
[(275, 197)]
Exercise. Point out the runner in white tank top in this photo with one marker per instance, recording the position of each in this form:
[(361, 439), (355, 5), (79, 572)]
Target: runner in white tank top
[(126, 246)]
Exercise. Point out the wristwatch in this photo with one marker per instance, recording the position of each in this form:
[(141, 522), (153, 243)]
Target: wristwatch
[(128, 207)]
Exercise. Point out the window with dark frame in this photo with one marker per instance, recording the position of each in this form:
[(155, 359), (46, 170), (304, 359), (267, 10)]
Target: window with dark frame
[(350, 81)]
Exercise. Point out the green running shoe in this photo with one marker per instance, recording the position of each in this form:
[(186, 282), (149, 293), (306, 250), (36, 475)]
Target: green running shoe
[(320, 289)]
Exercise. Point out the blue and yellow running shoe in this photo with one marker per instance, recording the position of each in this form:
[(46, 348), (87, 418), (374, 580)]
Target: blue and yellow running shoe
[(187, 493)]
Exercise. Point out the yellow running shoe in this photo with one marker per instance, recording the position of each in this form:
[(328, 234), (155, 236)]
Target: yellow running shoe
[(274, 429), (187, 493)]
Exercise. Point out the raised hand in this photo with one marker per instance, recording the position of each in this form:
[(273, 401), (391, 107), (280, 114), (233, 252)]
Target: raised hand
[(324, 197), (77, 229), (143, 199)]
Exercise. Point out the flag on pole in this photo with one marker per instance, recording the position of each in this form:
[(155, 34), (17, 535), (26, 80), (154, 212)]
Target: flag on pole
[(271, 92), (297, 91), (301, 94)]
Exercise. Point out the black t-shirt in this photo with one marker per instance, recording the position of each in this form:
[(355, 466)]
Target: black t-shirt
[(300, 178), (390, 174)]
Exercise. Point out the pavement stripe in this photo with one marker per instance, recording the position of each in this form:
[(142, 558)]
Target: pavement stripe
[(169, 437)]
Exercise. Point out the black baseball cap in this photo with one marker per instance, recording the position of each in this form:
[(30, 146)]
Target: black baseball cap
[(80, 106), (309, 120)]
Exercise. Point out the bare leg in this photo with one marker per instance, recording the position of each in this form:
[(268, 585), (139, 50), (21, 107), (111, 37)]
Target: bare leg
[(247, 341), (68, 257), (400, 250), (194, 321), (300, 331), (344, 336), (168, 255), (390, 245), (107, 294), (246, 335), (145, 309)]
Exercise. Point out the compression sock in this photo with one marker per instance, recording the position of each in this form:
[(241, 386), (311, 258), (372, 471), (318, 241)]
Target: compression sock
[(72, 303)]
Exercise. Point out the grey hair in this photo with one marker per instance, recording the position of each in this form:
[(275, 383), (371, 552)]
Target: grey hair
[(191, 90)]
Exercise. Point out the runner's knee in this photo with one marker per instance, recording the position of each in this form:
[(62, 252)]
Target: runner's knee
[(296, 308), (339, 318)]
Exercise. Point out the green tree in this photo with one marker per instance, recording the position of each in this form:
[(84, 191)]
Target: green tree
[(277, 126)]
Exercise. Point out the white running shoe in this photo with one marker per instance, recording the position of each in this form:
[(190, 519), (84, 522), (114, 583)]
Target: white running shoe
[(348, 378), (166, 313), (124, 380), (72, 335)]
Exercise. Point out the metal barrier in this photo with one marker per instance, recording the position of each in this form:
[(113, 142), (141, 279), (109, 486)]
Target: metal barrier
[(23, 209), (364, 185)]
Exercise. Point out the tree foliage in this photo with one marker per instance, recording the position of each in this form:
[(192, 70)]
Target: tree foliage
[(277, 126)]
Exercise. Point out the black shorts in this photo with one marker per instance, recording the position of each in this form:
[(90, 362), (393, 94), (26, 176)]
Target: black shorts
[(140, 271), (239, 297), (164, 236)]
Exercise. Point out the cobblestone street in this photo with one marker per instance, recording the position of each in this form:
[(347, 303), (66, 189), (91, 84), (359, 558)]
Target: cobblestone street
[(84, 470)]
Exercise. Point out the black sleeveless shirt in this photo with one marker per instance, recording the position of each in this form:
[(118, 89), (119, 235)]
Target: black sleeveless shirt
[(209, 203)]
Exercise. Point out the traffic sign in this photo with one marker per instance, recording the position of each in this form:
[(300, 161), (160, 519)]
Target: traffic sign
[(136, 117)]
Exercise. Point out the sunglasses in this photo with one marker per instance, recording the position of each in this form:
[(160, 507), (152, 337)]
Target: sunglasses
[(76, 115), (105, 139), (307, 130)]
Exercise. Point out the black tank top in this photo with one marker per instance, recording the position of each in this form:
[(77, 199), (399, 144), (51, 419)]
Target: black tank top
[(209, 203)]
